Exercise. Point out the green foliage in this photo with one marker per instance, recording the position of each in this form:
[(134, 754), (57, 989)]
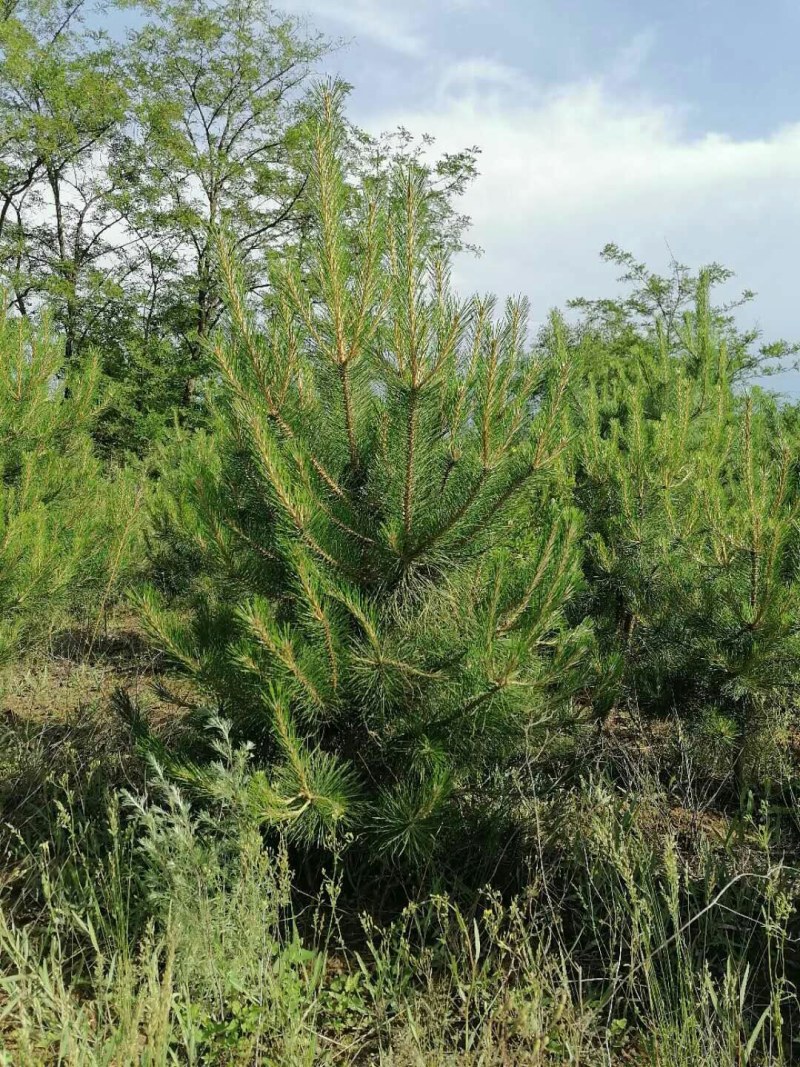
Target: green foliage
[(691, 500), (656, 305), (214, 102), (66, 532), (386, 569), (118, 158), (61, 101), (452, 606)]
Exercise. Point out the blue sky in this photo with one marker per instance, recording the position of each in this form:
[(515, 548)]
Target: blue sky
[(662, 127)]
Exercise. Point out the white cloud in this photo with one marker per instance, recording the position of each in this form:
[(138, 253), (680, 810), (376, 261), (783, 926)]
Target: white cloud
[(567, 169), (481, 74), (563, 172), (396, 27)]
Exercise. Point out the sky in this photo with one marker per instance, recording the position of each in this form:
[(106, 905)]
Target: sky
[(672, 130)]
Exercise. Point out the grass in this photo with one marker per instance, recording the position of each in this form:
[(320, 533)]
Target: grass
[(135, 928)]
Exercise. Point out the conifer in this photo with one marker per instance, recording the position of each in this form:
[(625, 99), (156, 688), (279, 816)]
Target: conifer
[(691, 496), (387, 564), (64, 527)]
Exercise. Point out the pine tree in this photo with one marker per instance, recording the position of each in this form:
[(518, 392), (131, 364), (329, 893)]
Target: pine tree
[(692, 506), (386, 561), (65, 529)]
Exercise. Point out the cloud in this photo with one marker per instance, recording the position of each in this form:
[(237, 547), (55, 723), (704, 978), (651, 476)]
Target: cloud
[(567, 168), (480, 74), (563, 171), (396, 27)]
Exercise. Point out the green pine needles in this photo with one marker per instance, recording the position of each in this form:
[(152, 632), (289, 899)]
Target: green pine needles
[(65, 528), (690, 492), (387, 564)]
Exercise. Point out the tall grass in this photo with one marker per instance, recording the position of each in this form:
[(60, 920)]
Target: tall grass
[(164, 934)]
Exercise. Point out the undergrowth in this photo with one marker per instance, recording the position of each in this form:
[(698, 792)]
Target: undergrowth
[(137, 927)]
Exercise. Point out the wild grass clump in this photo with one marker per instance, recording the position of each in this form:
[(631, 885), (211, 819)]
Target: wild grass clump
[(180, 938), (152, 944)]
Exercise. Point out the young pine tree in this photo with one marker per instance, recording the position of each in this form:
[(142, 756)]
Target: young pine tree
[(65, 529), (386, 566), (692, 508)]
